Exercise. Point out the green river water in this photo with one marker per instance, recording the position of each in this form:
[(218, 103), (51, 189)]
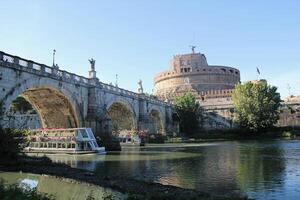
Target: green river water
[(258, 169)]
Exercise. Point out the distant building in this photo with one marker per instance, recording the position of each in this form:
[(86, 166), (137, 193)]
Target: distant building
[(290, 112)]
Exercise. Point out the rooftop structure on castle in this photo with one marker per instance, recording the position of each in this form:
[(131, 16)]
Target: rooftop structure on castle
[(191, 72)]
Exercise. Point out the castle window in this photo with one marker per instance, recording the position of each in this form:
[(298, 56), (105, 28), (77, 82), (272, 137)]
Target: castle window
[(231, 71), (224, 70), (181, 70), (236, 72)]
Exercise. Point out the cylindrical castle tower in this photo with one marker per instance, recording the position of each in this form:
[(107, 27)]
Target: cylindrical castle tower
[(191, 72)]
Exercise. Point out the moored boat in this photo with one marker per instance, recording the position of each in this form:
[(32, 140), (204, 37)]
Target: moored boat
[(70, 141), (127, 138)]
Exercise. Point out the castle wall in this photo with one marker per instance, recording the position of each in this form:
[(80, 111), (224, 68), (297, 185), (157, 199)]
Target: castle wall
[(190, 72)]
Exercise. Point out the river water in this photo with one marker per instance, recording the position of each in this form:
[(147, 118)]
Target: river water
[(59, 189), (258, 169)]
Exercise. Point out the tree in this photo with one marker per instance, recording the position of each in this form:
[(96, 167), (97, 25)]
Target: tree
[(189, 113), (11, 143), (21, 105), (256, 105)]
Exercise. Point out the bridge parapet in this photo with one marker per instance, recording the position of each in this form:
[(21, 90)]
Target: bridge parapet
[(41, 69), (118, 90), (30, 66)]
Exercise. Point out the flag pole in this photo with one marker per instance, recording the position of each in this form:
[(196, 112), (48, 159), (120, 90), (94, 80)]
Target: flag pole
[(258, 73)]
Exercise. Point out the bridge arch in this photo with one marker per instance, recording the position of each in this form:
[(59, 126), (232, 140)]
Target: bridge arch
[(123, 116), (55, 104), (157, 120)]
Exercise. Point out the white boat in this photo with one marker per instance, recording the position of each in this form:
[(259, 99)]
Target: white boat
[(71, 141), (126, 138)]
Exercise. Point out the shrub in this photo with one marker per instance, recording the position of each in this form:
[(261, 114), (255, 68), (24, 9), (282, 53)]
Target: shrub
[(8, 192), (11, 143)]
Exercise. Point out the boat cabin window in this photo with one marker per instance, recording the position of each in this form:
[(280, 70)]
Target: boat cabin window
[(95, 144), (91, 135), (83, 133), (89, 146)]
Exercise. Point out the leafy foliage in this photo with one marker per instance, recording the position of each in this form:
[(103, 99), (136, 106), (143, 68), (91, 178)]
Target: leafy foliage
[(189, 113), (256, 105), (20, 104), (8, 192), (11, 143)]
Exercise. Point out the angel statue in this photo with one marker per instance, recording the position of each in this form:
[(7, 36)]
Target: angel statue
[(92, 61), (140, 86)]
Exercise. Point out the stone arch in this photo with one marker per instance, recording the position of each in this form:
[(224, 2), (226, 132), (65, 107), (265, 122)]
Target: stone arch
[(123, 116), (157, 120), (55, 104)]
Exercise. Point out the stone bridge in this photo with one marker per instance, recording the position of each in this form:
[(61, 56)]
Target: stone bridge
[(66, 100)]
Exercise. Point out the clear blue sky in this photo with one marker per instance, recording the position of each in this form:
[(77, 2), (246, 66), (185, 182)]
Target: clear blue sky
[(137, 38)]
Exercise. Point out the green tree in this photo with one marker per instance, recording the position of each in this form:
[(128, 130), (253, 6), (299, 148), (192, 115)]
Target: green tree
[(11, 143), (20, 104), (256, 105), (189, 113)]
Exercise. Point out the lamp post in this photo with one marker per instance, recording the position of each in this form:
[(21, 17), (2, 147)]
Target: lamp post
[(53, 58), (116, 84)]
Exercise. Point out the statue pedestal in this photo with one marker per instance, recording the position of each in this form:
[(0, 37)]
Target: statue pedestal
[(92, 74)]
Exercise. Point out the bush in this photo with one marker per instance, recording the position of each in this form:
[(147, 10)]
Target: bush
[(286, 134), (157, 138), (8, 192), (11, 143)]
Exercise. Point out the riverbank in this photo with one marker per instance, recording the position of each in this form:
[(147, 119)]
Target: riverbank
[(135, 189), (238, 134)]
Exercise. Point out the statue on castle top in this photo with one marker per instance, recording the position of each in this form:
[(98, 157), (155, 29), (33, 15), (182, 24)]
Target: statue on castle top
[(92, 61), (56, 66), (140, 87), (193, 48)]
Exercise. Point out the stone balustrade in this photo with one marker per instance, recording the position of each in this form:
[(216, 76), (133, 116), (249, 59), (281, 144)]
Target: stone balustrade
[(41, 69), (62, 75)]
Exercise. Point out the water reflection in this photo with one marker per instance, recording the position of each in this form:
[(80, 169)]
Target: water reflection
[(60, 189), (258, 169)]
